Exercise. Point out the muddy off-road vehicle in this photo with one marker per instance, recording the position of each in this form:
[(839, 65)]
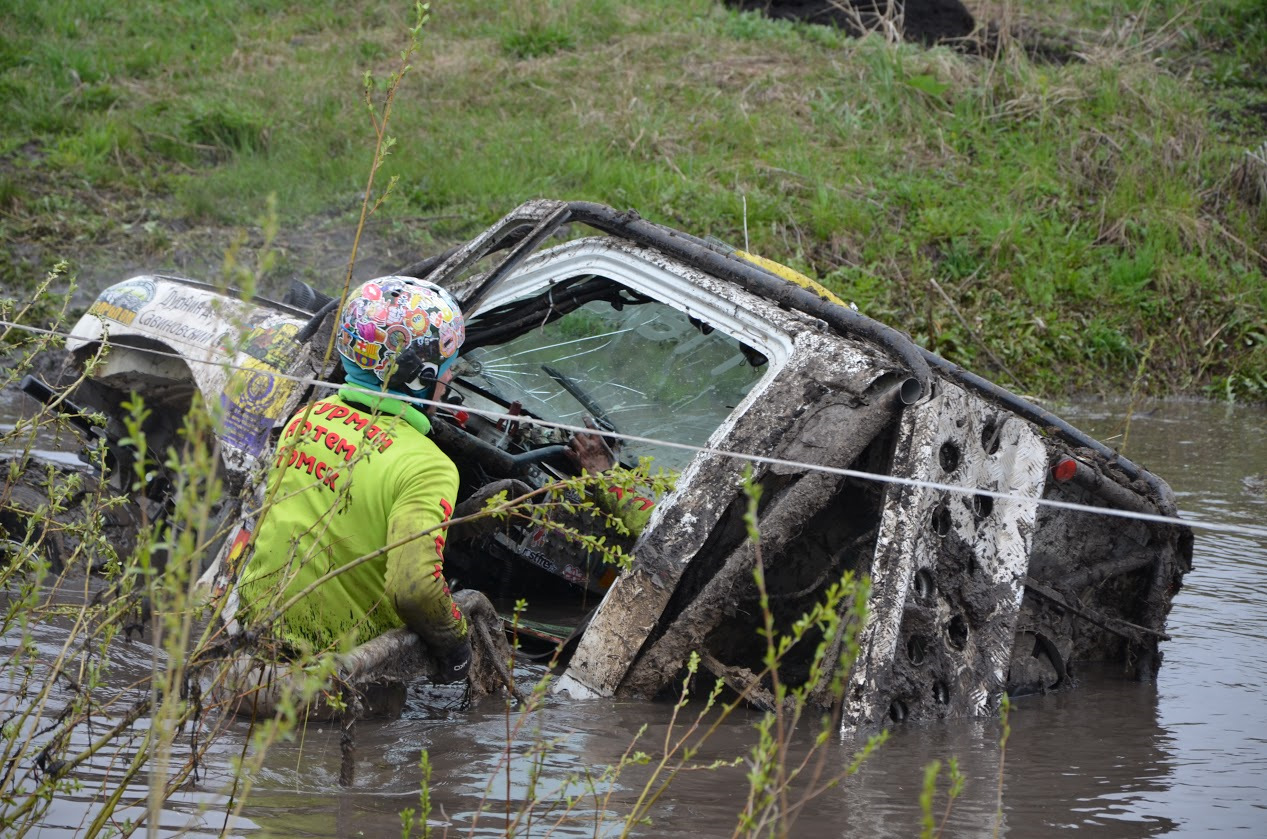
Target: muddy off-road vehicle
[(976, 588)]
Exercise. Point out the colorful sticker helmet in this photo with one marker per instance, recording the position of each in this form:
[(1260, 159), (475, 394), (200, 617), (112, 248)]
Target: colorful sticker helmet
[(404, 323)]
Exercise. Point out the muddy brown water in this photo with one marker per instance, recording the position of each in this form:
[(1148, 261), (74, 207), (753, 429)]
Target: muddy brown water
[(1186, 756)]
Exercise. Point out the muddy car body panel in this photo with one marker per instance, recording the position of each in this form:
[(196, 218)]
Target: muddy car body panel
[(171, 339), (976, 589)]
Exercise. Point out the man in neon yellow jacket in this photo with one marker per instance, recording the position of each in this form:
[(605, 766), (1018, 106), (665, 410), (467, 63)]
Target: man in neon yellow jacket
[(358, 485)]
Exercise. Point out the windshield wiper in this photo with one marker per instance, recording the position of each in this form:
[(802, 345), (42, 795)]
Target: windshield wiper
[(578, 393)]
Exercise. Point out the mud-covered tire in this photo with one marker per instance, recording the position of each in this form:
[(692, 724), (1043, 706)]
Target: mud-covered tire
[(23, 536), (28, 529)]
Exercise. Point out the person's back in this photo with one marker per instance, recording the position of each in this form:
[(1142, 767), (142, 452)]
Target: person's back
[(357, 487), (354, 474)]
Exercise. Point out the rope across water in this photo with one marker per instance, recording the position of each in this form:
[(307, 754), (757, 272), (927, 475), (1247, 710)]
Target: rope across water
[(1257, 533)]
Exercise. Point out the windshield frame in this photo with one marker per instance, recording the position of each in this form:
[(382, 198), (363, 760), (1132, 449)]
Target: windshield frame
[(646, 273)]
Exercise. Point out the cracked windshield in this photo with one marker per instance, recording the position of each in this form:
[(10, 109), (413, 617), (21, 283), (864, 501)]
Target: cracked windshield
[(646, 370)]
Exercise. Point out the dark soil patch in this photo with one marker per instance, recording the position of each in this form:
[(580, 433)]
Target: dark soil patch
[(927, 22), (923, 21), (107, 234)]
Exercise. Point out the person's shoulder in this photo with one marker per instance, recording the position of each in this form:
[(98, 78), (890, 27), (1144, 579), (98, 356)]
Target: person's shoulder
[(422, 469), (419, 453)]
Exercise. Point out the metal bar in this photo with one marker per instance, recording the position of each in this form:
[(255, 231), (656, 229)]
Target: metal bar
[(1092, 615)]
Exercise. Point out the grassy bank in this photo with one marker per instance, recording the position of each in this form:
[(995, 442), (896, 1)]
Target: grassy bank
[(1066, 213)]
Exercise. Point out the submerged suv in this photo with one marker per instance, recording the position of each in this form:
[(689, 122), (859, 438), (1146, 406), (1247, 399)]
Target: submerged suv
[(872, 455)]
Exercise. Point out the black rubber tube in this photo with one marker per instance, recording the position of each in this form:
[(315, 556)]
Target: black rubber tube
[(314, 323)]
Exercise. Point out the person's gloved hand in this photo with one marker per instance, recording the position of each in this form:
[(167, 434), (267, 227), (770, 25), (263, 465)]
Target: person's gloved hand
[(454, 664), (591, 452)]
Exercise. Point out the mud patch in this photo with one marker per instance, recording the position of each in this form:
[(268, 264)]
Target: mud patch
[(119, 236), (922, 21), (927, 22)]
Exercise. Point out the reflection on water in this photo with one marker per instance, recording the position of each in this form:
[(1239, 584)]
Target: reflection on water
[(1114, 758)]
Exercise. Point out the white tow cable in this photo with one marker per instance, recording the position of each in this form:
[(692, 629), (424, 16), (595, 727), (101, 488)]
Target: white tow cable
[(1259, 533)]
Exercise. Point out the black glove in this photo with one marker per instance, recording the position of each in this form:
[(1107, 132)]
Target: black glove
[(454, 664)]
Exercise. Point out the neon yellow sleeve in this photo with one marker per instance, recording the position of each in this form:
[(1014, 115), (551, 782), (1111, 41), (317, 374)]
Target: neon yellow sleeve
[(415, 570)]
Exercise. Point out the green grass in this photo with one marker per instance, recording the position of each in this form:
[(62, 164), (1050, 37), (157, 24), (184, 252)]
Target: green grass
[(1073, 212)]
